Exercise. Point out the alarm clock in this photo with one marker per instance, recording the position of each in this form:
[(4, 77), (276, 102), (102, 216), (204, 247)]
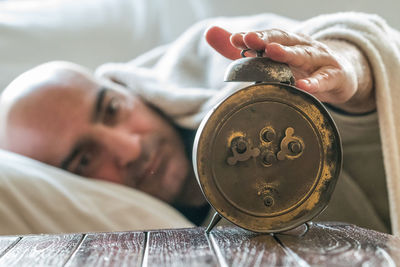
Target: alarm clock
[(267, 157)]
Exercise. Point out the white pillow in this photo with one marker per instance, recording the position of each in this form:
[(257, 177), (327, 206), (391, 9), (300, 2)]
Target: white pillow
[(37, 198), (34, 197)]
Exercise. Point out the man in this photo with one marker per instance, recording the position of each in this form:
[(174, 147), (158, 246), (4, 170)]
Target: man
[(60, 114)]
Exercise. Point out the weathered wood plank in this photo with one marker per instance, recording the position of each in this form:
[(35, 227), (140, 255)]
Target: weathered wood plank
[(184, 247), (110, 249), (324, 244), (238, 247), (6, 242), (344, 245), (41, 250)]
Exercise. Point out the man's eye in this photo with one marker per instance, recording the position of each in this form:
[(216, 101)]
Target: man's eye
[(83, 163), (111, 111)]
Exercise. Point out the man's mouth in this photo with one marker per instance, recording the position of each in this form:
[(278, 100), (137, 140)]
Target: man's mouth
[(150, 166), (153, 166)]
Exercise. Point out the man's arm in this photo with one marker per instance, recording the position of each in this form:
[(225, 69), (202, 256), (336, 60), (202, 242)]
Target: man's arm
[(335, 71)]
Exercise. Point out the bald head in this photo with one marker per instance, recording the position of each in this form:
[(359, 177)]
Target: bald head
[(27, 101)]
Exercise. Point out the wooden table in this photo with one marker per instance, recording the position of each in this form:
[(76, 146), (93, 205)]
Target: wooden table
[(323, 244)]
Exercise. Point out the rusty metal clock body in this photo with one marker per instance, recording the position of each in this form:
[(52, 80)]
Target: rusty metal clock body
[(267, 158)]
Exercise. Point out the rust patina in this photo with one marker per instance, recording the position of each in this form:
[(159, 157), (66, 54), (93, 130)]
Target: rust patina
[(267, 158)]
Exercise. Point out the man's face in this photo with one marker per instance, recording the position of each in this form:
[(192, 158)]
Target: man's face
[(100, 132)]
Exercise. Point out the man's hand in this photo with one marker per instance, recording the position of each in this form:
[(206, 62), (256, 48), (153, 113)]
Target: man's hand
[(334, 71)]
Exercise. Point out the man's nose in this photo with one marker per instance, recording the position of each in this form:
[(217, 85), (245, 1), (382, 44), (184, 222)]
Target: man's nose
[(121, 146)]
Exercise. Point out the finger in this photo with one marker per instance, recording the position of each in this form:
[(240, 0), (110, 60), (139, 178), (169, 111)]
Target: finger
[(237, 41), (219, 39), (254, 40), (308, 58), (275, 36), (257, 40), (324, 84)]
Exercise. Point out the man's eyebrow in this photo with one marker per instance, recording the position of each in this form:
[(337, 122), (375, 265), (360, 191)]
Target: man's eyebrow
[(98, 104), (71, 156)]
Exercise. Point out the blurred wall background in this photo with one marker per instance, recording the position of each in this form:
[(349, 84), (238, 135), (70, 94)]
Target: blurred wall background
[(92, 32), (300, 9)]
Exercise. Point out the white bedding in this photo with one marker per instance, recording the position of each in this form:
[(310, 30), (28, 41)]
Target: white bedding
[(35, 198)]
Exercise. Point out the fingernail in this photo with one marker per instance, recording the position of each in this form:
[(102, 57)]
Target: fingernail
[(237, 33)]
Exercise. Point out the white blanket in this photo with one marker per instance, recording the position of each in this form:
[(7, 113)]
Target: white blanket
[(185, 79)]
